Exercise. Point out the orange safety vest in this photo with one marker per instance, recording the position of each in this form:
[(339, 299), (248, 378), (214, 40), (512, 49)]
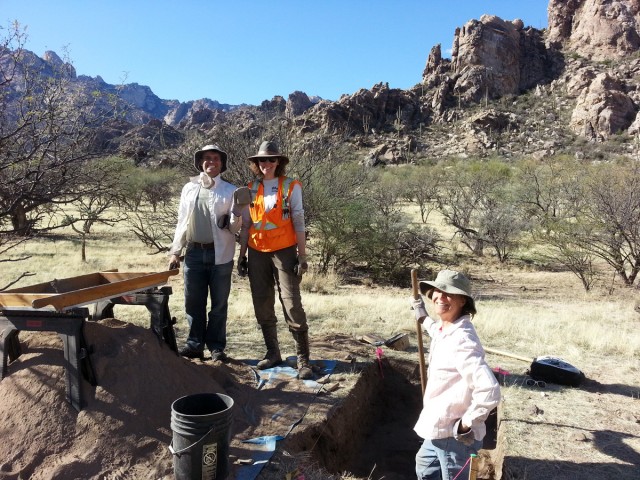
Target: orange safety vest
[(272, 230)]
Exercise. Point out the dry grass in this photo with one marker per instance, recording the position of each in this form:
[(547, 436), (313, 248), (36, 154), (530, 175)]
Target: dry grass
[(574, 328), (524, 312), (561, 319)]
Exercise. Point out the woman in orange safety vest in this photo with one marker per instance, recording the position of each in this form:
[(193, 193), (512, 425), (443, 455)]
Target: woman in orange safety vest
[(273, 232)]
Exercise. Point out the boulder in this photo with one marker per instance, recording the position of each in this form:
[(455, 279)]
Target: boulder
[(493, 121), (603, 109), (578, 82)]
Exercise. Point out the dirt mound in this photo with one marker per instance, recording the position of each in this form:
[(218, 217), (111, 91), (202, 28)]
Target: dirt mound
[(124, 427), (124, 430)]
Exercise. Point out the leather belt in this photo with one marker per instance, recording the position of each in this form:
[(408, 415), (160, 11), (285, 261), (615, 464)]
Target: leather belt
[(203, 246)]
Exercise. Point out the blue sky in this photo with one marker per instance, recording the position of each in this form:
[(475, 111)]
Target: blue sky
[(247, 51)]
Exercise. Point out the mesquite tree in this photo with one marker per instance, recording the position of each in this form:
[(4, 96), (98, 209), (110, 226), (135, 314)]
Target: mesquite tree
[(478, 199), (47, 135)]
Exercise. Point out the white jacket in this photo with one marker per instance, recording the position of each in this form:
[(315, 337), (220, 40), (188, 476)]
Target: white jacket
[(220, 203), (460, 385)]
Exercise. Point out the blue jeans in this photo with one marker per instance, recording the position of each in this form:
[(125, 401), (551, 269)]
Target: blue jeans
[(203, 278), (443, 458)]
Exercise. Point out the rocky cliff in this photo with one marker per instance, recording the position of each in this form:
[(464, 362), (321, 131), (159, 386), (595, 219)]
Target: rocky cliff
[(507, 89), (596, 29), (583, 70)]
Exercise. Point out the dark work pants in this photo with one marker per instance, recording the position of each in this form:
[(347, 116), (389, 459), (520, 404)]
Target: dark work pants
[(268, 270)]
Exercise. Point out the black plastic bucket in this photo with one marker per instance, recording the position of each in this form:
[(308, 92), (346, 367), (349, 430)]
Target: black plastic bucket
[(201, 436)]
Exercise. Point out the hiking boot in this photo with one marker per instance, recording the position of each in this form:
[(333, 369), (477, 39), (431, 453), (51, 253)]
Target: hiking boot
[(219, 356), (304, 369), (272, 357), (302, 350), (189, 352)]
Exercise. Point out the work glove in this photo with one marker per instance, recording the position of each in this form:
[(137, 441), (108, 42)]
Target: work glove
[(242, 196), (467, 438), (206, 181), (419, 309), (301, 265), (243, 267)]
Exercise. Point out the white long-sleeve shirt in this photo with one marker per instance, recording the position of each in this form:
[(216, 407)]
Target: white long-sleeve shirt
[(460, 383), (220, 203)]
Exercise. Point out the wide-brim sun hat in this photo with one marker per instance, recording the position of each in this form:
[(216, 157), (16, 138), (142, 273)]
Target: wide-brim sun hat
[(450, 281), (269, 149), (197, 157)]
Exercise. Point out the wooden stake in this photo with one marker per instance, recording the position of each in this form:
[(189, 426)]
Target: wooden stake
[(423, 369), (473, 467)]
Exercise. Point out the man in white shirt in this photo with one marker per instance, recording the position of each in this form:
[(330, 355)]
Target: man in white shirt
[(209, 215)]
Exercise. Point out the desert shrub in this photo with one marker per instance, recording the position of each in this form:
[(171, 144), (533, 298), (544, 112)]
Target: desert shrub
[(478, 199), (369, 234)]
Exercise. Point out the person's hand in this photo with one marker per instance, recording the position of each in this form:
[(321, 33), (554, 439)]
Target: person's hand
[(241, 200), (223, 221), (463, 433), (243, 266), (419, 309), (174, 262), (242, 196), (301, 265)]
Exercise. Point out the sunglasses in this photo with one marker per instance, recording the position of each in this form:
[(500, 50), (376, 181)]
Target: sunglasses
[(270, 160), (535, 383)]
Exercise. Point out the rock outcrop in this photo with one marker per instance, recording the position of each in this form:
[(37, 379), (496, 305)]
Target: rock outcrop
[(297, 103), (491, 58), (603, 109), (486, 58), (596, 29), (141, 96), (366, 111), (58, 65), (193, 112)]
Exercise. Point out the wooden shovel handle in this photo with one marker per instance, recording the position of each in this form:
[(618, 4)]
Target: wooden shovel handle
[(423, 369), (473, 467), (507, 354)]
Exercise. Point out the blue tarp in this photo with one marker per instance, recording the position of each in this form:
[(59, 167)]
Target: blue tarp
[(263, 447)]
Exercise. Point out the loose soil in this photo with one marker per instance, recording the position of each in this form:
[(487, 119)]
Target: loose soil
[(124, 431), (362, 427)]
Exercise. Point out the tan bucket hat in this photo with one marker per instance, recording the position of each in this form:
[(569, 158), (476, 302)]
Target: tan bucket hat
[(197, 157), (269, 149), (450, 281)]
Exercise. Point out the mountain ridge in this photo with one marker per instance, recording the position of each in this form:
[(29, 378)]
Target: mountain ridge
[(579, 89)]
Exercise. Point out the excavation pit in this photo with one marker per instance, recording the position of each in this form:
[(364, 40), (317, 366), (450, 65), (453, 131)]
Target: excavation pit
[(370, 434)]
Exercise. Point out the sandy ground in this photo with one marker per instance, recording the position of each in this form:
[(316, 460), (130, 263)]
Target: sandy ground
[(123, 432)]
